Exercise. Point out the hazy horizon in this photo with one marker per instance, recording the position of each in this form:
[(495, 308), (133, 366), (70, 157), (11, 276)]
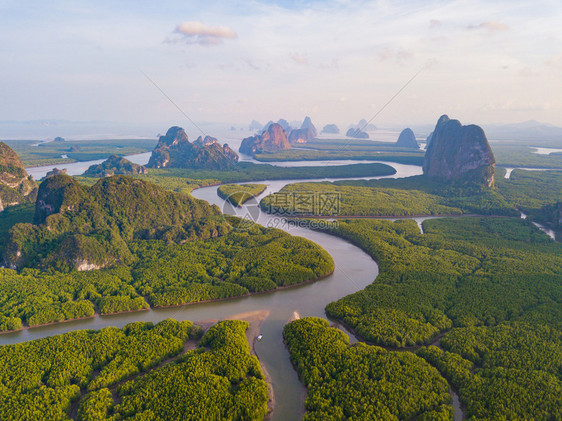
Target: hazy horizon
[(337, 61)]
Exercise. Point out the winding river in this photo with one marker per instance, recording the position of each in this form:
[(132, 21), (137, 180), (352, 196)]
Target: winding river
[(355, 269)]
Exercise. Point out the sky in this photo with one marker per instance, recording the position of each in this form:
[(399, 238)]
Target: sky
[(338, 61)]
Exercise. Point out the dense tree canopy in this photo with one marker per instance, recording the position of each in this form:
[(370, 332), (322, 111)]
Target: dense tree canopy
[(248, 260), (362, 382), (77, 226), (225, 382), (509, 371), (39, 379), (462, 272), (238, 194), (492, 286), (47, 378)]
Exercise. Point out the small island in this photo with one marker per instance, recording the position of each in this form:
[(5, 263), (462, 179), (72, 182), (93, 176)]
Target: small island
[(238, 194), (115, 165)]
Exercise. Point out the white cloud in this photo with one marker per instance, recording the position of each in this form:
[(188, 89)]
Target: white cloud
[(193, 32), (490, 26)]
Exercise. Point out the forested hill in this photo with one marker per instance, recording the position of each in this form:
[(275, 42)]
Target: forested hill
[(88, 227)]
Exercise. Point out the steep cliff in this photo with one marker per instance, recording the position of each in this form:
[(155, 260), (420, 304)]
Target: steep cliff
[(305, 133), (55, 171), (16, 186), (174, 150), (272, 140), (459, 153)]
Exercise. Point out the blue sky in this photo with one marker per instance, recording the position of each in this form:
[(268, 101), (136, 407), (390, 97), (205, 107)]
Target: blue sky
[(337, 61)]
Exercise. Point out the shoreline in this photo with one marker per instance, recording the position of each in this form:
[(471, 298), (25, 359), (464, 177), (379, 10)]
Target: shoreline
[(309, 281), (304, 395), (433, 341), (255, 319), (227, 197), (269, 291), (93, 316), (297, 178), (437, 215)]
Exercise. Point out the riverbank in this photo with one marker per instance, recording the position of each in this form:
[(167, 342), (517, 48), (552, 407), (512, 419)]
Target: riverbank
[(238, 194), (96, 315), (250, 294), (255, 319)]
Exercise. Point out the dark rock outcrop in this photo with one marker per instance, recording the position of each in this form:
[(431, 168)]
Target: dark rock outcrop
[(307, 124), (357, 133), (115, 165), (16, 186), (55, 171), (300, 136), (305, 133), (174, 150), (272, 140), (330, 129), (208, 140), (459, 153), (407, 139)]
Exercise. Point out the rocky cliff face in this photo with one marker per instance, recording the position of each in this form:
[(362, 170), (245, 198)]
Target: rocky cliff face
[(305, 133), (272, 140), (407, 139), (205, 141), (16, 186), (459, 153), (307, 124), (57, 194), (174, 150), (55, 171), (115, 165)]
